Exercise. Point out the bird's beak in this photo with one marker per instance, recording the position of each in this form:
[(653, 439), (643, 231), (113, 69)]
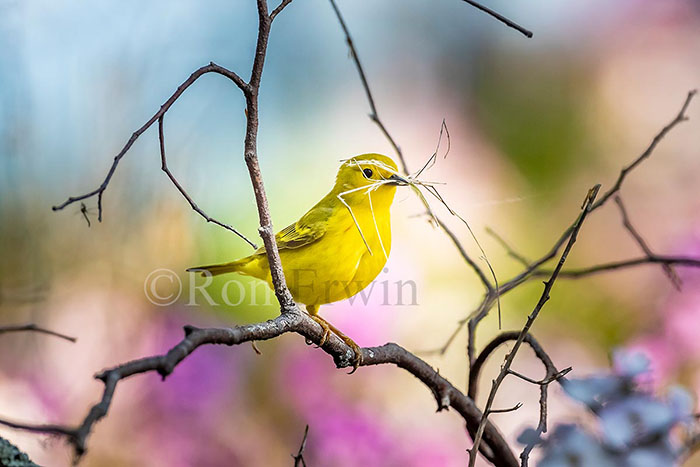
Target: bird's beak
[(398, 180)]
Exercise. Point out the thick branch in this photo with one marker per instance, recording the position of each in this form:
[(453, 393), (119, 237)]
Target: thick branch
[(294, 321), (251, 158)]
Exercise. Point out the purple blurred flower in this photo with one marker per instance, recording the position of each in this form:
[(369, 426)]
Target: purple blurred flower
[(630, 363), (570, 446), (636, 428), (593, 391), (344, 432), (634, 420)]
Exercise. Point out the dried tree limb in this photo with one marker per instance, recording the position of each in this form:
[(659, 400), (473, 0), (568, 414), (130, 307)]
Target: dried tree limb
[(374, 116), (251, 158), (511, 252), (291, 318), (590, 198), (99, 191), (183, 192), (551, 375), (34, 328), (673, 277), (283, 4), (534, 268), (680, 117), (615, 265), (293, 321), (299, 457), (499, 17)]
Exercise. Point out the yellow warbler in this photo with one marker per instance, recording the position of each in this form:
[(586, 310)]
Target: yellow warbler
[(339, 246)]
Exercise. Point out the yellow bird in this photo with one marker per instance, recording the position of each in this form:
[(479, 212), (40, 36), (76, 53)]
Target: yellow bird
[(339, 246)]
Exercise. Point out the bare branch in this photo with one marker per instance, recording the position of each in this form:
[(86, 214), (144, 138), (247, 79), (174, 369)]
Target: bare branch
[(294, 321), (283, 4), (673, 277), (34, 328), (590, 198), (510, 409), (511, 252), (551, 375), (500, 18), (99, 191), (251, 158), (533, 269), (681, 117), (193, 205), (615, 265), (299, 457), (374, 116)]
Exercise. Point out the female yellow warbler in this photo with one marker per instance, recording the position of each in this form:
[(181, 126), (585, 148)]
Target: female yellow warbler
[(339, 246)]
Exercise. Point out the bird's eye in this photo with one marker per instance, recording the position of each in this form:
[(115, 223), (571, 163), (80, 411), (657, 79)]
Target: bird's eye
[(367, 172)]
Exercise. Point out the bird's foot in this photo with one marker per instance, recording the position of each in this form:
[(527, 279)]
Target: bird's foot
[(326, 329), (357, 350)]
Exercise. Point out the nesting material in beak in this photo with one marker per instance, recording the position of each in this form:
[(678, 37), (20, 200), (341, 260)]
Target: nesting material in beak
[(398, 180)]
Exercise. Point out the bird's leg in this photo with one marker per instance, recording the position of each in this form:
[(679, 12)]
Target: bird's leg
[(328, 328)]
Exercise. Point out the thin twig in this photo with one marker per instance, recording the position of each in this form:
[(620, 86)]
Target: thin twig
[(283, 4), (374, 116), (500, 18), (673, 277), (616, 265), (551, 375), (99, 191), (511, 252), (534, 268), (34, 328), (680, 117), (510, 409), (183, 192), (299, 457), (590, 198)]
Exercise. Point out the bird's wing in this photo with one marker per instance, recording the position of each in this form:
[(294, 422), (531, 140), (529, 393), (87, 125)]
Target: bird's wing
[(310, 228)]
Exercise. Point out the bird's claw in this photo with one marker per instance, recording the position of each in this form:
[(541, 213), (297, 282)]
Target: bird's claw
[(357, 353), (326, 329)]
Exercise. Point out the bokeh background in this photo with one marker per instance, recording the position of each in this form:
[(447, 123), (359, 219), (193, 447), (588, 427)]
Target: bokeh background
[(533, 123)]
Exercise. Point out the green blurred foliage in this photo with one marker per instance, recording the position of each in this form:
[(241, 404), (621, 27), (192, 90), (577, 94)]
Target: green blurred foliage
[(534, 118)]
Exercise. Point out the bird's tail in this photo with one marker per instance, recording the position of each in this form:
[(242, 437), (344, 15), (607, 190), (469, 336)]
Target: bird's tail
[(216, 269)]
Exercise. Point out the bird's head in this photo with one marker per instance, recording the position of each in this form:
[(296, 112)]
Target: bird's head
[(368, 173)]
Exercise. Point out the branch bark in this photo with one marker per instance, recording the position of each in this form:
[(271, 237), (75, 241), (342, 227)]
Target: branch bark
[(444, 392)]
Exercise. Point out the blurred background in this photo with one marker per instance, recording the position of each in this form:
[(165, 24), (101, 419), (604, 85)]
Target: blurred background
[(534, 123)]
